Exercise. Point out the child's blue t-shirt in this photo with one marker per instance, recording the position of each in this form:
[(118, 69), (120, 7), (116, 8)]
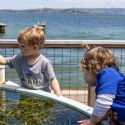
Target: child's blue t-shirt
[(110, 81)]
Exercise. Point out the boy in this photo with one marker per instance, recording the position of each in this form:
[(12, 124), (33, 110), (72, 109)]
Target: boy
[(35, 70), (100, 69)]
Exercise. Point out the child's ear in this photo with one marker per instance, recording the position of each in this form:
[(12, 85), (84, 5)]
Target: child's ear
[(36, 47)]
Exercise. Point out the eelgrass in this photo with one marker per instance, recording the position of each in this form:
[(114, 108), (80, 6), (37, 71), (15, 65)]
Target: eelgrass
[(26, 111), (29, 110)]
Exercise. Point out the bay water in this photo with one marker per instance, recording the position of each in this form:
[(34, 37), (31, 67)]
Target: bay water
[(67, 27)]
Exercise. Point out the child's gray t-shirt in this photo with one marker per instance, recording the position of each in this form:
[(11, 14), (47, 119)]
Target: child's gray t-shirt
[(34, 76)]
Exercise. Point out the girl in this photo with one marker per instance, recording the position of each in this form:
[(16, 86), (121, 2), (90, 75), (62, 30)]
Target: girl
[(100, 69)]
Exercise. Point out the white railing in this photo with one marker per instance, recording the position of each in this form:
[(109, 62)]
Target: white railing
[(12, 43)]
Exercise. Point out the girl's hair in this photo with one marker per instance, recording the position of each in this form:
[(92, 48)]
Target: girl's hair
[(96, 59), (32, 36)]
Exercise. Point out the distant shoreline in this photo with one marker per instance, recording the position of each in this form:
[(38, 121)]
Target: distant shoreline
[(69, 10)]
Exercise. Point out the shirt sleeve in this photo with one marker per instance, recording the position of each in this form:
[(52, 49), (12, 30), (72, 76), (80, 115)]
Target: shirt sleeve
[(49, 71), (13, 61), (102, 104), (107, 82)]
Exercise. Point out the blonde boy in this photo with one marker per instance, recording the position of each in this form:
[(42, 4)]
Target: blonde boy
[(35, 70)]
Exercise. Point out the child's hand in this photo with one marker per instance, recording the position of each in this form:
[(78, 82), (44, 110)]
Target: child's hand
[(85, 122), (58, 93)]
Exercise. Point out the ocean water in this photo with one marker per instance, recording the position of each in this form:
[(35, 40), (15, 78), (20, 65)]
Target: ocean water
[(67, 26)]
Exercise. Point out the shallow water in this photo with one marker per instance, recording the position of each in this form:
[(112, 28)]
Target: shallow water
[(37, 111)]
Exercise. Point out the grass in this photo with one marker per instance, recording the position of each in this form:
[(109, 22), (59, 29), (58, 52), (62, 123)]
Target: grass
[(26, 111)]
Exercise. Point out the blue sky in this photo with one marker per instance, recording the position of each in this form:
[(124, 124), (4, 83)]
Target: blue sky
[(33, 4)]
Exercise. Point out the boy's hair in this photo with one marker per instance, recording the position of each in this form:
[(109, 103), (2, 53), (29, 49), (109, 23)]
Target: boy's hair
[(96, 59), (32, 36)]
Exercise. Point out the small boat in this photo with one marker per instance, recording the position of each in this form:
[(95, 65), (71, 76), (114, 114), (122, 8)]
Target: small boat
[(2, 28)]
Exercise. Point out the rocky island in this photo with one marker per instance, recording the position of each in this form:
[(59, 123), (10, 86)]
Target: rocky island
[(69, 10)]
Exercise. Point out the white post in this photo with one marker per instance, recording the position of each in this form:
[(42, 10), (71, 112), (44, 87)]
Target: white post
[(2, 74), (2, 80)]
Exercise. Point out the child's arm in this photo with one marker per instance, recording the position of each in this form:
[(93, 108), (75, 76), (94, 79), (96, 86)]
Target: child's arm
[(92, 121), (55, 86), (2, 60), (101, 107)]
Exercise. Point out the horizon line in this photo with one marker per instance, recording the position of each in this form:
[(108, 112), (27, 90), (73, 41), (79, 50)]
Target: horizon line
[(68, 8)]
